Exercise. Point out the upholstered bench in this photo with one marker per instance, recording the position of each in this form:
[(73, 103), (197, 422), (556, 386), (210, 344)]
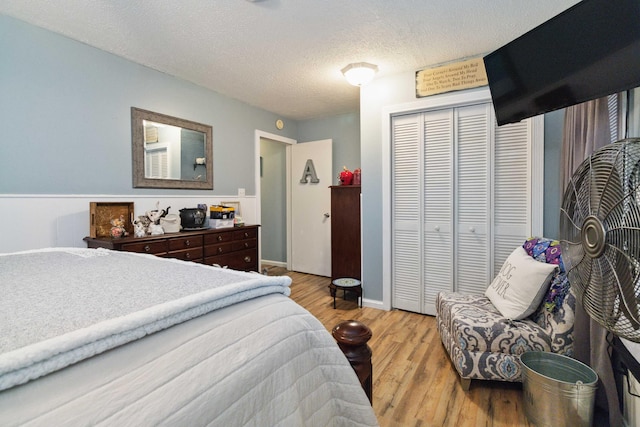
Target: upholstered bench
[(485, 344)]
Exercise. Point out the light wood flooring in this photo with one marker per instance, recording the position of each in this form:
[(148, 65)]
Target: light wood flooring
[(414, 383)]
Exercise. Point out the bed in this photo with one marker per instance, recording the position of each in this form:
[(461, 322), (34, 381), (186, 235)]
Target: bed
[(100, 337)]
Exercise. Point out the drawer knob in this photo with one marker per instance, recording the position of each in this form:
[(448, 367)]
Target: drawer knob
[(246, 234), (187, 243), (219, 250), (147, 248), (188, 255), (246, 245), (219, 238), (247, 259)]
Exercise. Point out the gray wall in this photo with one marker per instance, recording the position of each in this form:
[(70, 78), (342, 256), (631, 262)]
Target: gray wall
[(633, 124), (192, 146), (273, 200), (344, 129), (553, 124), (65, 113)]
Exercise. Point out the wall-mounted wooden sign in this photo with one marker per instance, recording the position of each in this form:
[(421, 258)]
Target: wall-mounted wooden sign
[(458, 76)]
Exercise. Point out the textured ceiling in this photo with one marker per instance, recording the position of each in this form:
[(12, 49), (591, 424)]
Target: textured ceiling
[(285, 56)]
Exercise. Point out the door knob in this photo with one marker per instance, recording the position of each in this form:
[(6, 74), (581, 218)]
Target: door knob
[(326, 215)]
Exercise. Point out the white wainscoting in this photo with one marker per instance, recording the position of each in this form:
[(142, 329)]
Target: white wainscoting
[(46, 220)]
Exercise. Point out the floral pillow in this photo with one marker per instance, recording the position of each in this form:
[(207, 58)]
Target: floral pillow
[(544, 250), (549, 251)]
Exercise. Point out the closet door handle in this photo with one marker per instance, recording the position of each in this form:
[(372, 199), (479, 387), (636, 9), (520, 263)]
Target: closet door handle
[(472, 229), (437, 228)]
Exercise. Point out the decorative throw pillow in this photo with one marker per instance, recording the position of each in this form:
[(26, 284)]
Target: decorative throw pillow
[(544, 250), (520, 286), (549, 251)]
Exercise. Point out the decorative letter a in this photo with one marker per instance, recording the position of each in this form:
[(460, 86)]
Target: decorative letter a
[(309, 170)]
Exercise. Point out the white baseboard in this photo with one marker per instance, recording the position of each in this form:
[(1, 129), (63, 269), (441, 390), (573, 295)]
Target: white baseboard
[(371, 303), (274, 263)]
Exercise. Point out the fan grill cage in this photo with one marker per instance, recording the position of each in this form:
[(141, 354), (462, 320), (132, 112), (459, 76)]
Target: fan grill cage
[(600, 236)]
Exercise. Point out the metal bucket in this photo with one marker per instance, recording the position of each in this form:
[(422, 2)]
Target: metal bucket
[(558, 390)]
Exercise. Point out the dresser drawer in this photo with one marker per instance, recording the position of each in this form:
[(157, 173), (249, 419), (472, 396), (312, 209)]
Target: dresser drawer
[(211, 239), (248, 233), (220, 249), (158, 247), (246, 260), (179, 243), (245, 244), (193, 254)]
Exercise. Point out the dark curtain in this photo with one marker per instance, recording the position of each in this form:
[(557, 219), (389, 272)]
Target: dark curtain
[(586, 129)]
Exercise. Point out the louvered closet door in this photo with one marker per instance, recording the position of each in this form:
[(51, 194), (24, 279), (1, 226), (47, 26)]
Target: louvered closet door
[(406, 212), (512, 173), (438, 193), (473, 133), (461, 201)]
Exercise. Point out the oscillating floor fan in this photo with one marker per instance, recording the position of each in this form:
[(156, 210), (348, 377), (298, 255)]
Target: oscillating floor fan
[(600, 237)]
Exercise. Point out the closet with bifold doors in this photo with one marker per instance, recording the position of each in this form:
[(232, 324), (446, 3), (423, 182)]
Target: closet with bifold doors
[(464, 194)]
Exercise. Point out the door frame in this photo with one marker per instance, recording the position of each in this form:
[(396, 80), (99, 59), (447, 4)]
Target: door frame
[(259, 134)]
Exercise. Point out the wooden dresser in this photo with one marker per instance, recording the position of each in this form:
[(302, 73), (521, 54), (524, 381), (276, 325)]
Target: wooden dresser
[(236, 247)]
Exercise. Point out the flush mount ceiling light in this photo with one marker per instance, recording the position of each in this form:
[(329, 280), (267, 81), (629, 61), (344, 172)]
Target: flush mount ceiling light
[(359, 73)]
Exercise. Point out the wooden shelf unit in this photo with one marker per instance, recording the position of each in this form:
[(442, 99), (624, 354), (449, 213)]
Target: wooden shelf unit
[(345, 232)]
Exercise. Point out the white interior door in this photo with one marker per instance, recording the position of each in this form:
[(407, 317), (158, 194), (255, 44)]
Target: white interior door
[(473, 199), (406, 208), (311, 170)]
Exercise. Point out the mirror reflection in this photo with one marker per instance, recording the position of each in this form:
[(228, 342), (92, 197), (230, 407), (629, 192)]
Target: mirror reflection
[(170, 152)]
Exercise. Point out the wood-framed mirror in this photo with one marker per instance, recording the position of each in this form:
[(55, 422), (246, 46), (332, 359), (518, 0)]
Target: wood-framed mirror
[(169, 152)]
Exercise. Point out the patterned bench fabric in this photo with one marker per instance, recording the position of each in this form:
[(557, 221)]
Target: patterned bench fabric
[(483, 344)]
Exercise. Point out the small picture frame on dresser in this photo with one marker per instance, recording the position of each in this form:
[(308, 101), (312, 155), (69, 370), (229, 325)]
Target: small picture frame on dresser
[(102, 213)]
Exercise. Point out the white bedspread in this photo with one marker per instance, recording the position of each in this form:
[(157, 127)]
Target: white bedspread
[(60, 306), (100, 338), (262, 362)]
